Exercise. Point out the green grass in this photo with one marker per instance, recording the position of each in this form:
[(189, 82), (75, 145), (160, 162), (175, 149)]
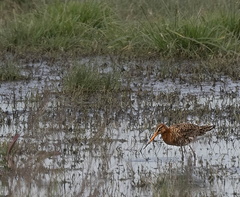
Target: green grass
[(58, 27), (184, 28), (9, 72), (192, 38), (87, 79)]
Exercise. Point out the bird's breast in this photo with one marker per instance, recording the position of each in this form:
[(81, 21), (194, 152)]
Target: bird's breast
[(175, 139), (169, 139)]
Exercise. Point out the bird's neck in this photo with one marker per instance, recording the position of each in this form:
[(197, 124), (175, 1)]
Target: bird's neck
[(166, 129)]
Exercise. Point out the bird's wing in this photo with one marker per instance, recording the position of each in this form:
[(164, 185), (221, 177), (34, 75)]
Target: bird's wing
[(186, 129), (184, 133)]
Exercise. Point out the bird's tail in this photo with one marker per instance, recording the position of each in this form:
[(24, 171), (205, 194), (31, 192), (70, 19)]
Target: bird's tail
[(206, 128)]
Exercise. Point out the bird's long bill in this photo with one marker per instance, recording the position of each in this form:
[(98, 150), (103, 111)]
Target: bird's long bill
[(152, 138)]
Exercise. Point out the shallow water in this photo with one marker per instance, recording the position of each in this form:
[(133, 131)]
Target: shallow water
[(94, 148)]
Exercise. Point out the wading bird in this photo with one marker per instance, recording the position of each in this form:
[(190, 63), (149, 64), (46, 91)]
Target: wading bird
[(180, 134)]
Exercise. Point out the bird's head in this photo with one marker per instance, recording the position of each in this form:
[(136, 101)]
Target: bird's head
[(160, 129)]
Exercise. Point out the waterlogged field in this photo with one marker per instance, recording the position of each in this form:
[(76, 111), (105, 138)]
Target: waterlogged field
[(91, 144), (74, 126)]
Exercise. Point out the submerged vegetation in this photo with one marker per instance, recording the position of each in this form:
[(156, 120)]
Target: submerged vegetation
[(165, 28)]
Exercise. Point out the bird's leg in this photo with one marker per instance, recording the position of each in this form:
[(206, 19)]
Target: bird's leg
[(182, 153), (194, 154)]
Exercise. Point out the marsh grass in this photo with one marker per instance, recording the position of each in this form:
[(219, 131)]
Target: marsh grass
[(10, 7), (59, 26), (196, 29), (142, 28), (10, 72), (195, 37), (87, 79)]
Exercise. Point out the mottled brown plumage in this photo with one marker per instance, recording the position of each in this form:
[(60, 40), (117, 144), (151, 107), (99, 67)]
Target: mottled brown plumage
[(180, 134)]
